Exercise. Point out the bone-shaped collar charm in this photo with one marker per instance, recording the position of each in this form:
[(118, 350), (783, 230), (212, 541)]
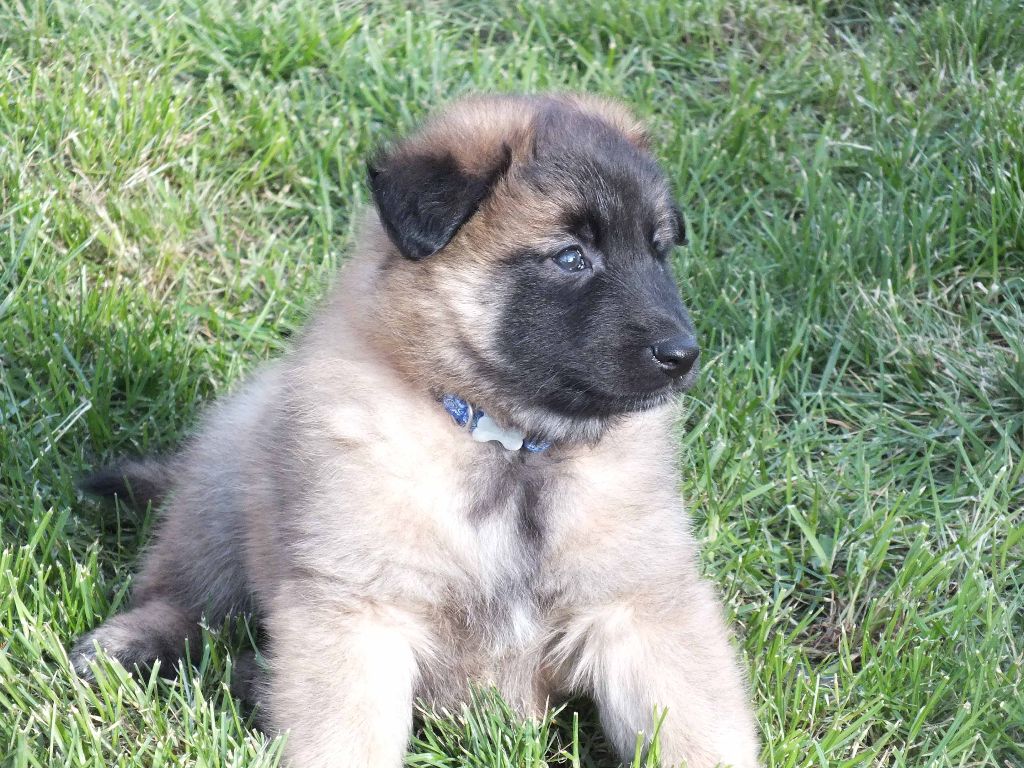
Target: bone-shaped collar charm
[(487, 429)]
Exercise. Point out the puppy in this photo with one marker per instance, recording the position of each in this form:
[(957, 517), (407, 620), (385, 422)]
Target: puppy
[(464, 471)]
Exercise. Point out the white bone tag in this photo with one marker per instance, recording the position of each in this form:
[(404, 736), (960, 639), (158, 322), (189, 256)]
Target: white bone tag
[(487, 429)]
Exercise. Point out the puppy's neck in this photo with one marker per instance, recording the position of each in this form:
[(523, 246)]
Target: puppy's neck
[(484, 428)]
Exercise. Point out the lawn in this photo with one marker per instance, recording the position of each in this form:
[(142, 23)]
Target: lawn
[(178, 180)]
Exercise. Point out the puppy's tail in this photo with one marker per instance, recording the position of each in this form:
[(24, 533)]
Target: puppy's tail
[(135, 482)]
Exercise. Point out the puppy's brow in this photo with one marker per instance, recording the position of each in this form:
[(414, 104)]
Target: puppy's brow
[(586, 225)]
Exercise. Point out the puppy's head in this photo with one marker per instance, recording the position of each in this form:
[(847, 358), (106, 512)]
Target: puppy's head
[(528, 269)]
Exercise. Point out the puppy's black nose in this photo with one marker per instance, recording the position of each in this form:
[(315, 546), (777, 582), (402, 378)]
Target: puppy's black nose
[(677, 355)]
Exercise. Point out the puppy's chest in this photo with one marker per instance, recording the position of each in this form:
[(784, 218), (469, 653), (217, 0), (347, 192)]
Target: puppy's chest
[(466, 532), (506, 519)]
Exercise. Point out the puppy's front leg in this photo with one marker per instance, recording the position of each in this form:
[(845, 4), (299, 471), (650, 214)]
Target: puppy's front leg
[(670, 655), (342, 681)]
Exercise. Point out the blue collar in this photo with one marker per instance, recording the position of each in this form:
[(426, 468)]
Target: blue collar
[(483, 428)]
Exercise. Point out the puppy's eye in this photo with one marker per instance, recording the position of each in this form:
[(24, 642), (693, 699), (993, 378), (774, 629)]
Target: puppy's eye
[(571, 260)]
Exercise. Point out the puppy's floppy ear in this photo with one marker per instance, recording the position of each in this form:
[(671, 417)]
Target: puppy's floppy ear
[(423, 197), (680, 224)]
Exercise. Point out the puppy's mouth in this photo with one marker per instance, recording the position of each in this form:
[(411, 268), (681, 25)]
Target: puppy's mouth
[(583, 399), (634, 403)]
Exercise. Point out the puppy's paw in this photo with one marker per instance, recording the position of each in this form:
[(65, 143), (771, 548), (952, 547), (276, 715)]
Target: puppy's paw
[(88, 647), (82, 655), (119, 643)]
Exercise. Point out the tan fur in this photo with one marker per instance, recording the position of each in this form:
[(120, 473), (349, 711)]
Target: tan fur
[(358, 516)]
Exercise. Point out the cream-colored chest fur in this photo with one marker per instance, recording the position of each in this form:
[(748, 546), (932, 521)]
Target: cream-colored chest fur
[(414, 498)]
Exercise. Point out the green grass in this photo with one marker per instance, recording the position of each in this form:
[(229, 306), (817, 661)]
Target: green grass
[(177, 182)]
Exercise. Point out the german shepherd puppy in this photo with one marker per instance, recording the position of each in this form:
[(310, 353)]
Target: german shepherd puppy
[(465, 469)]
